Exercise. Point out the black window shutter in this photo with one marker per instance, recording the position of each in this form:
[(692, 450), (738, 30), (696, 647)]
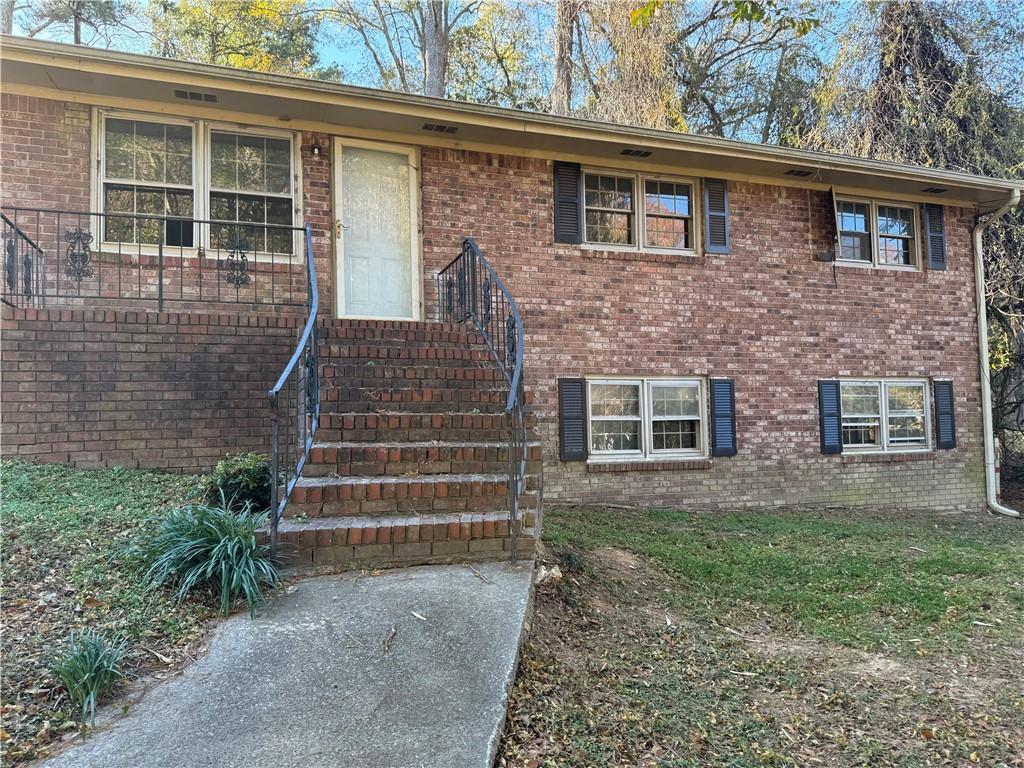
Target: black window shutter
[(716, 216), (830, 414), (572, 419), (568, 191), (723, 417), (945, 421), (935, 236)]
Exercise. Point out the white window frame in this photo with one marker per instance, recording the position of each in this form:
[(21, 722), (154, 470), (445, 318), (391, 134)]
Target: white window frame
[(295, 177), (886, 444), (647, 452), (201, 176), (640, 213), (874, 235)]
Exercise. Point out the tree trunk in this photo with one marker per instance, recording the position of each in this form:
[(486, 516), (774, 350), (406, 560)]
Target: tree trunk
[(435, 48), (76, 10), (566, 16), (6, 16)]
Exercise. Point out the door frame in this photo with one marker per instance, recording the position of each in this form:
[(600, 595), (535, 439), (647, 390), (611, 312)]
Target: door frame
[(415, 251)]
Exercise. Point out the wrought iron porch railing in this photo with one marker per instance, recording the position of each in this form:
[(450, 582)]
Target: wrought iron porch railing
[(105, 259), (469, 289), (295, 405), (23, 261)]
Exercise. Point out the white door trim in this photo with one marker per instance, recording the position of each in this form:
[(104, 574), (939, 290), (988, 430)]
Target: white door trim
[(415, 255)]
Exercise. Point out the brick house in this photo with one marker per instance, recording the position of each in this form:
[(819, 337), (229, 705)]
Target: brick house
[(701, 322)]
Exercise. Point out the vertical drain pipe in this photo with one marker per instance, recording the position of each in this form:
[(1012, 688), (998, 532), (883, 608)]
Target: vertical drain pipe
[(991, 483)]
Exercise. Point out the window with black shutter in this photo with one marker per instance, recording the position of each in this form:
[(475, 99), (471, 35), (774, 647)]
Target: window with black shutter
[(572, 419), (723, 417), (945, 419), (716, 216), (935, 236), (568, 194)]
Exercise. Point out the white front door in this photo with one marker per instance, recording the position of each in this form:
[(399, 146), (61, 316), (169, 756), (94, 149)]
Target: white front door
[(377, 212)]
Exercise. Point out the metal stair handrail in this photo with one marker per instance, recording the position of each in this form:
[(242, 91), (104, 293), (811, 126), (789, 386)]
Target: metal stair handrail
[(468, 288), (304, 412)]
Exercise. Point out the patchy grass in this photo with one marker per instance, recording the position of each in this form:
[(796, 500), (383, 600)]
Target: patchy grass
[(781, 639), (69, 561)]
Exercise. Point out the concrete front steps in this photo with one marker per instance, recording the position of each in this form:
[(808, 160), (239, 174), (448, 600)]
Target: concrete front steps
[(411, 460)]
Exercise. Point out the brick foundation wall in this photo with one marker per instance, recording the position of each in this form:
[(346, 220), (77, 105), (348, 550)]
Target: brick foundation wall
[(768, 315), (169, 391)]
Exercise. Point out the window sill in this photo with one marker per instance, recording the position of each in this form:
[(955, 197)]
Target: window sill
[(881, 457), (648, 465)]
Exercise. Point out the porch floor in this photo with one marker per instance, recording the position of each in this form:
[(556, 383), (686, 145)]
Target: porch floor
[(407, 668)]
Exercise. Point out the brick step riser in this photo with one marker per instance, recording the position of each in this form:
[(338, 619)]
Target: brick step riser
[(414, 497), (414, 376), (388, 336), (404, 354), (399, 427), (375, 383), (394, 543), (324, 462), (370, 400)]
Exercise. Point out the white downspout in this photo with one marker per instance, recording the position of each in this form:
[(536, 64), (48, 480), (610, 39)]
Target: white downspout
[(991, 487)]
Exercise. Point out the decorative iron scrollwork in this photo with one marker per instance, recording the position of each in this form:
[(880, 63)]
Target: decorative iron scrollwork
[(26, 273), (312, 377), (79, 254), (11, 264), (462, 290), (510, 342), (238, 264), (487, 301)]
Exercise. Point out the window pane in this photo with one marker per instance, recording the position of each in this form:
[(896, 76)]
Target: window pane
[(906, 430), (615, 435), (150, 152), (615, 400), (894, 221), (853, 217), (860, 400), (854, 247), (860, 432), (905, 398), (608, 192), (664, 232), (894, 250), (224, 173), (278, 179), (675, 401), (674, 435), (607, 227)]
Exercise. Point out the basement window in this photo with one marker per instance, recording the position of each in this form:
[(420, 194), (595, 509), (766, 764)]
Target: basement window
[(645, 418), (884, 415)]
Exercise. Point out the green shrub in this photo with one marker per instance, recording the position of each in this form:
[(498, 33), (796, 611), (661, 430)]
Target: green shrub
[(243, 479), (89, 667), (206, 546)]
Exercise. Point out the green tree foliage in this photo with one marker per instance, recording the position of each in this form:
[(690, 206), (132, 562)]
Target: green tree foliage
[(262, 35)]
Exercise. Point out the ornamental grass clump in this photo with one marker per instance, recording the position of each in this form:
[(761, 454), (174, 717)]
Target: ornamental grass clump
[(215, 547), (89, 667)]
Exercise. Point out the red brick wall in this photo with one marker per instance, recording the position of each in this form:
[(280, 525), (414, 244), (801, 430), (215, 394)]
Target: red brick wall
[(44, 153), (768, 315), (105, 388)]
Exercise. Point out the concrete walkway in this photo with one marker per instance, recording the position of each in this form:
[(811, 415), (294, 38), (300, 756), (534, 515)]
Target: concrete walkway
[(339, 672)]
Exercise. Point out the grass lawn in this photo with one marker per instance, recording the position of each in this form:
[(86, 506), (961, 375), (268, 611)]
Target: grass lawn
[(774, 639), (69, 560)]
